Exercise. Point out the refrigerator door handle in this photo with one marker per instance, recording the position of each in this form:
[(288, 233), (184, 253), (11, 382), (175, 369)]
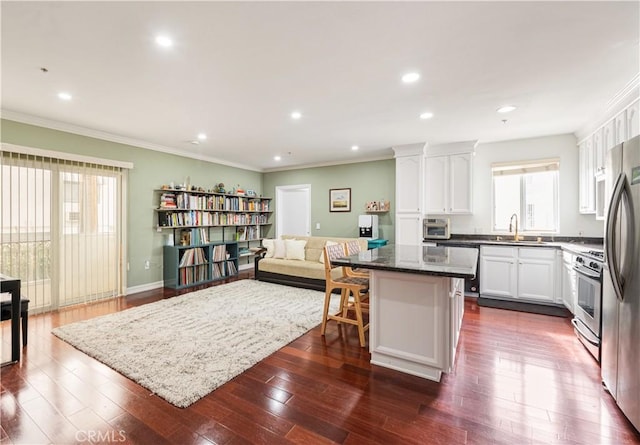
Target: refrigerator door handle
[(611, 235)]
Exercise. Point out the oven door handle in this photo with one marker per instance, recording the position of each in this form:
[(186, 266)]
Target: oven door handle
[(587, 335), (587, 272)]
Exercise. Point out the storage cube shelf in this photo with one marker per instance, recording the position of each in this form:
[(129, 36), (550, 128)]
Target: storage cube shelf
[(186, 266)]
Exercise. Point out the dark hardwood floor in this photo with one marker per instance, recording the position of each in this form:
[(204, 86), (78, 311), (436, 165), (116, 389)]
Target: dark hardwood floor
[(519, 378)]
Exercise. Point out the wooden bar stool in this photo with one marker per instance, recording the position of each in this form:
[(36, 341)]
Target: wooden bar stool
[(354, 291), (352, 248)]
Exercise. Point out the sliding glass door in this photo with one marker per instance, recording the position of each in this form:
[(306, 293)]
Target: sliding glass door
[(60, 229)]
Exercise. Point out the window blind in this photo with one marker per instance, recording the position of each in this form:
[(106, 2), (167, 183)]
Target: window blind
[(61, 229), (523, 167)]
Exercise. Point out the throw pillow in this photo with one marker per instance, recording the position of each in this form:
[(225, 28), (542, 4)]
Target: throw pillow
[(328, 243), (268, 244), (295, 249), (279, 249)]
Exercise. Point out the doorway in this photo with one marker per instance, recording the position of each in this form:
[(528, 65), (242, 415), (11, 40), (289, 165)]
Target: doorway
[(293, 210)]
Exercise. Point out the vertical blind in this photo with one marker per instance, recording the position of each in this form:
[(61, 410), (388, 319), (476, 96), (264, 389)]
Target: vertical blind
[(61, 228)]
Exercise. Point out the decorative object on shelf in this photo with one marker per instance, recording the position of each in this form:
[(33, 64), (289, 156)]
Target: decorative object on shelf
[(340, 200), (219, 188), (251, 193), (377, 206)]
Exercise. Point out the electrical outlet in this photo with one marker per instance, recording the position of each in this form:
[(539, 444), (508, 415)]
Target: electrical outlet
[(146, 264), (317, 226)]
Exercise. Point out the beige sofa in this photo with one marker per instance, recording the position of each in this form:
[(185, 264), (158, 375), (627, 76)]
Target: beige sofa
[(307, 273)]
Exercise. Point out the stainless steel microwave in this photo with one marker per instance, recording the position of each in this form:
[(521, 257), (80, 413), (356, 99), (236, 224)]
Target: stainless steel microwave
[(435, 228)]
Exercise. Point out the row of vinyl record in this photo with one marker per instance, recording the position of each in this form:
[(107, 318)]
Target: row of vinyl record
[(199, 202), (205, 218), (191, 257), (195, 274)]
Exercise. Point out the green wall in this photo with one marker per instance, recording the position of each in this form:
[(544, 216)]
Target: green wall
[(150, 170), (369, 181)]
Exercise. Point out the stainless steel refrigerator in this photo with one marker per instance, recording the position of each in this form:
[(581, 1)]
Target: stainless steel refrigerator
[(621, 279)]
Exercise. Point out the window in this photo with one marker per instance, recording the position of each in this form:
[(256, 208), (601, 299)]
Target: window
[(60, 226), (529, 190)]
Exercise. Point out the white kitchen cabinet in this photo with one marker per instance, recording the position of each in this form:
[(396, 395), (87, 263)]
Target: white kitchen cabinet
[(633, 120), (408, 184), (569, 281), (518, 273), (436, 184), (537, 274), (598, 152), (408, 229), (586, 176), (498, 271), (409, 189), (620, 127), (609, 136), (448, 182)]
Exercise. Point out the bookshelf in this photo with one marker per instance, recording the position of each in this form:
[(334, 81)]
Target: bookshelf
[(192, 265), (197, 219)]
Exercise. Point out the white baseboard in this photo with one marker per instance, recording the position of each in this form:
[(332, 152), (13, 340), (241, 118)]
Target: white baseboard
[(245, 266), (144, 287)]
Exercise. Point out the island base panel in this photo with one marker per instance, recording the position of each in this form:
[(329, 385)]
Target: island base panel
[(410, 328)]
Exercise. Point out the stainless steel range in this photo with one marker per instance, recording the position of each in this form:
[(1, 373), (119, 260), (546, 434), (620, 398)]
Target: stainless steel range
[(587, 321)]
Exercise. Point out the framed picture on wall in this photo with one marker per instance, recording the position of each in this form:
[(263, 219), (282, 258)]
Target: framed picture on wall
[(340, 200)]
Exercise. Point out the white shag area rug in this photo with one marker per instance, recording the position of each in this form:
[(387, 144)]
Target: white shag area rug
[(184, 347)]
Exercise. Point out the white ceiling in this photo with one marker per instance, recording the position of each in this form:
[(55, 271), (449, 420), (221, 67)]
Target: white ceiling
[(237, 70)]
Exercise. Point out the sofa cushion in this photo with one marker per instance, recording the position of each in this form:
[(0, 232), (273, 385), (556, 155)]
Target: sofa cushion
[(295, 249), (280, 250), (270, 246), (306, 269), (315, 244)]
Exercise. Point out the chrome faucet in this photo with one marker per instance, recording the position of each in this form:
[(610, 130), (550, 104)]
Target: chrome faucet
[(515, 236)]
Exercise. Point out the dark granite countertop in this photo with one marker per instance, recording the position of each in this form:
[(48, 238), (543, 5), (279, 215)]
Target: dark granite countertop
[(575, 245), (459, 262)]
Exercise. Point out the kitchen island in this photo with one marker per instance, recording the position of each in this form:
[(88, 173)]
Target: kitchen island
[(416, 305)]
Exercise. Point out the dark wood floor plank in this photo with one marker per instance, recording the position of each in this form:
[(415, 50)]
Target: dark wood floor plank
[(519, 378)]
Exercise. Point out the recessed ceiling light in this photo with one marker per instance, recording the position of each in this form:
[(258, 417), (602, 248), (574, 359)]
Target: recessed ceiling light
[(296, 115), (64, 95), (426, 115), (354, 147), (202, 136), (164, 41), (194, 142), (410, 77), (276, 158), (506, 109)]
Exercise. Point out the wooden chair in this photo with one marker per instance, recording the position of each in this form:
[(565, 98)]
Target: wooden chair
[(354, 291), (352, 248), (5, 314)]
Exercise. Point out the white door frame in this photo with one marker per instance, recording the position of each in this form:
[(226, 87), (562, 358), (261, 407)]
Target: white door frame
[(281, 192)]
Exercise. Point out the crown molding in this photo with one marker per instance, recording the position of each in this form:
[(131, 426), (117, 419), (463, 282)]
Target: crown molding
[(621, 100), (103, 135), (328, 164)]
